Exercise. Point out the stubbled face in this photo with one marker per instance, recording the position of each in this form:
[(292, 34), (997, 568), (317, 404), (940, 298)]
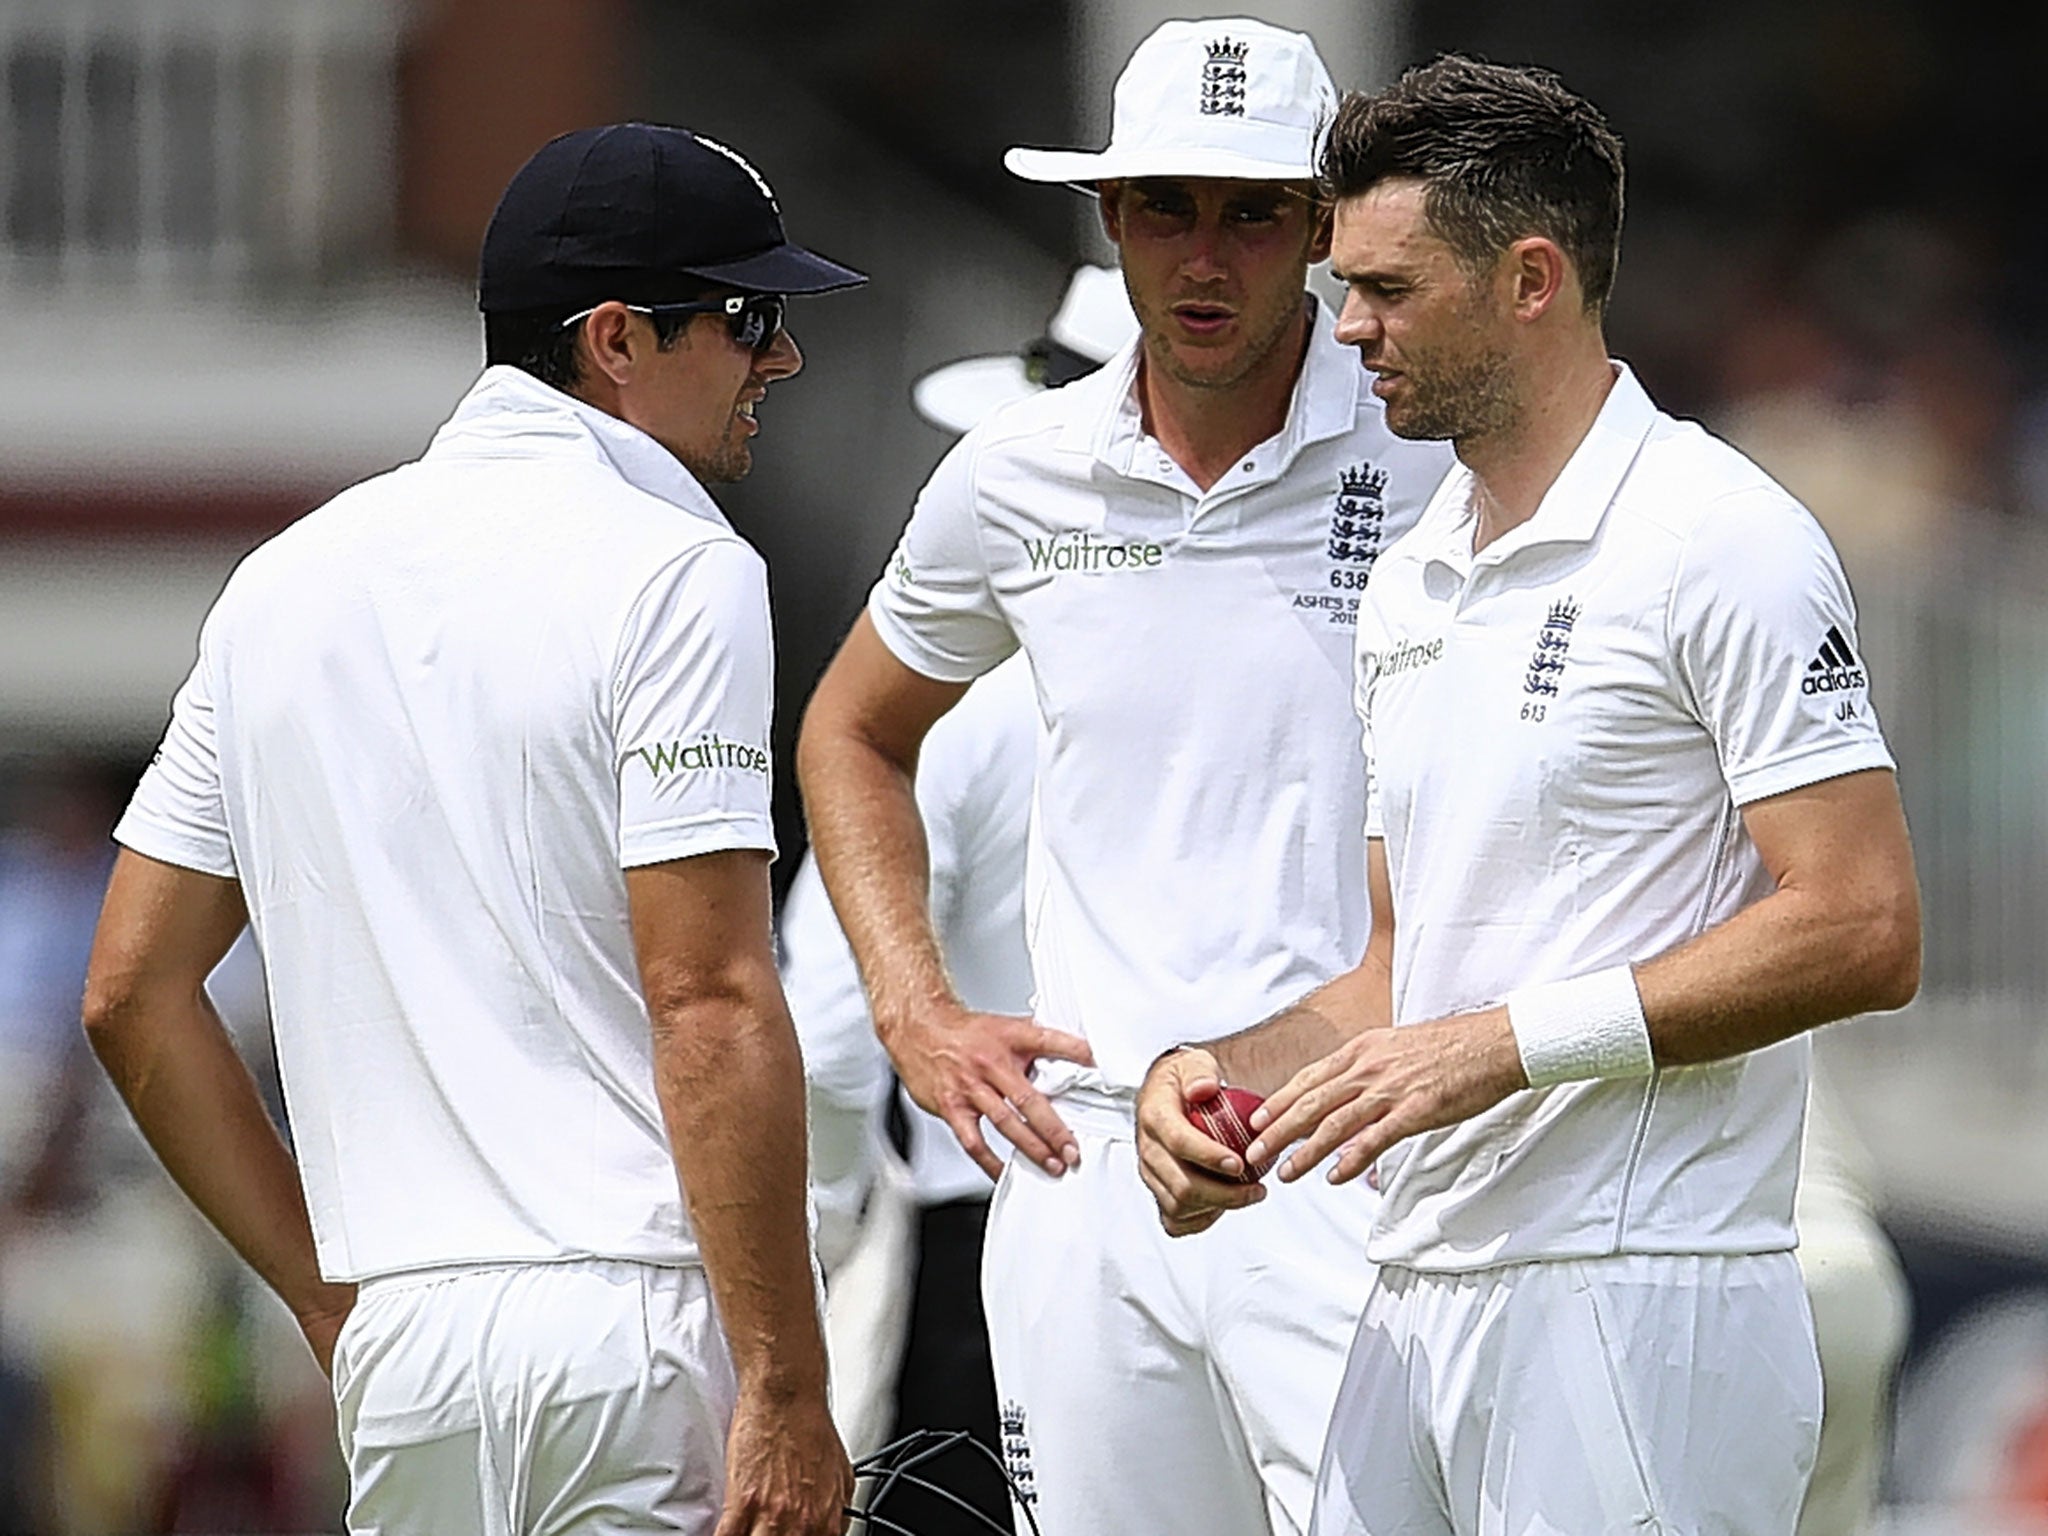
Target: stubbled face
[(1215, 270), (697, 399), (1434, 335)]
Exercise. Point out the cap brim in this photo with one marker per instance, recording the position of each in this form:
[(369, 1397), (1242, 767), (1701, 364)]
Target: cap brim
[(1089, 166), (782, 269), (956, 397)]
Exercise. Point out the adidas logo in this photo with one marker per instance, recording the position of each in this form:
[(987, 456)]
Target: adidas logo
[(1834, 668)]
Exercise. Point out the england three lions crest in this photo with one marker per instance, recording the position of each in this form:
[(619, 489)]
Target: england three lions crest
[(1223, 78), (1553, 647), (1016, 1453), (1358, 519)]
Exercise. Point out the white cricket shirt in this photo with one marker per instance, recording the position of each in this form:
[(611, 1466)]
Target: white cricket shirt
[(1562, 730), (429, 726), (974, 795), (1197, 859)]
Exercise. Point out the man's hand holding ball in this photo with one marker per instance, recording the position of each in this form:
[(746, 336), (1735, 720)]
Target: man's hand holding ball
[(1192, 1132)]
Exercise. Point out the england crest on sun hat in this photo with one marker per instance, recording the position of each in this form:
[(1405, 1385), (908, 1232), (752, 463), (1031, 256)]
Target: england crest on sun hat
[(1227, 97)]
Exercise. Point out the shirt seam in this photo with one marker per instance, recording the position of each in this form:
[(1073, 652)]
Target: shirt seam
[(1872, 753), (975, 523), (899, 637), (1686, 541), (749, 829), (188, 853), (637, 606)]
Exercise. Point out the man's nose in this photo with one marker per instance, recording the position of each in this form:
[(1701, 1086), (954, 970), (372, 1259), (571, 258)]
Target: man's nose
[(1358, 323), (1205, 254), (781, 358)]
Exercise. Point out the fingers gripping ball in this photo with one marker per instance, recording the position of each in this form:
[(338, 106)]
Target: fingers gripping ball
[(1228, 1118)]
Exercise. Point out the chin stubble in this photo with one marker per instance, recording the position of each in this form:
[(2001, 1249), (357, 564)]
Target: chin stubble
[(1470, 399), (1248, 361), (726, 464)]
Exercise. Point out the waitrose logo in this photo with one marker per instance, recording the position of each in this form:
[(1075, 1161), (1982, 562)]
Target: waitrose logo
[(1085, 552), (1404, 657), (704, 754)]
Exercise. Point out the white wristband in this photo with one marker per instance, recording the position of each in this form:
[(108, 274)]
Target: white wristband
[(1590, 1026)]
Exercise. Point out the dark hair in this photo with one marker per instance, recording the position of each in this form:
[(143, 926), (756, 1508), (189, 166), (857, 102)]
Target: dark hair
[(537, 341), (1503, 152)]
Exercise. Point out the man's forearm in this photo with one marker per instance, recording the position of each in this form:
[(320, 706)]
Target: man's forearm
[(1792, 962), (1838, 935), (199, 1108), (730, 1080), (869, 840), (1268, 1055), (1265, 1056)]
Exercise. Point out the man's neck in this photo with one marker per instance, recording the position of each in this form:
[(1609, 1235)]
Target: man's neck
[(1207, 430), (1513, 469)]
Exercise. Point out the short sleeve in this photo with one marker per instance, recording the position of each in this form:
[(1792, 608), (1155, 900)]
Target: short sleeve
[(179, 814), (693, 698), (934, 607), (1763, 629)]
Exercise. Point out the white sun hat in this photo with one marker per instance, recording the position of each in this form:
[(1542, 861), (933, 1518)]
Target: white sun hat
[(1226, 97), (1090, 327)]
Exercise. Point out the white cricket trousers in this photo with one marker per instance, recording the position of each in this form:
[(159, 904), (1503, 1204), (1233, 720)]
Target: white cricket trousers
[(1652, 1394), (534, 1400), (1157, 1386)]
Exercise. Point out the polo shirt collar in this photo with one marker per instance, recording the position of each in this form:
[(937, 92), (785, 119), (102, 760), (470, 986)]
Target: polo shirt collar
[(1324, 403), (509, 413), (1572, 509)]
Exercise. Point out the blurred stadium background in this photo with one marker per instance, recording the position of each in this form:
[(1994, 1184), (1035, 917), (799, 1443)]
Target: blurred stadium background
[(236, 239)]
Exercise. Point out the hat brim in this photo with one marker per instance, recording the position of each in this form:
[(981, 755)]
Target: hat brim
[(782, 269), (956, 397), (1087, 167)]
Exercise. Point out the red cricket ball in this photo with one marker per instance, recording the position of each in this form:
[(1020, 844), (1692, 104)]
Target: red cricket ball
[(1228, 1118)]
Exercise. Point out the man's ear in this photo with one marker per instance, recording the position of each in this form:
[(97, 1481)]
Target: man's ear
[(608, 345), (1107, 194), (1321, 230), (1540, 274)]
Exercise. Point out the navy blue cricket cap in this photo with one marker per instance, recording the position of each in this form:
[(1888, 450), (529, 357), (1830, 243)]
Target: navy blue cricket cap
[(641, 213)]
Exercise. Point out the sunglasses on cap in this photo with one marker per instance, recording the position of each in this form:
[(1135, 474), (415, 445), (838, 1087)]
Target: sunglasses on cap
[(1049, 365), (755, 319)]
